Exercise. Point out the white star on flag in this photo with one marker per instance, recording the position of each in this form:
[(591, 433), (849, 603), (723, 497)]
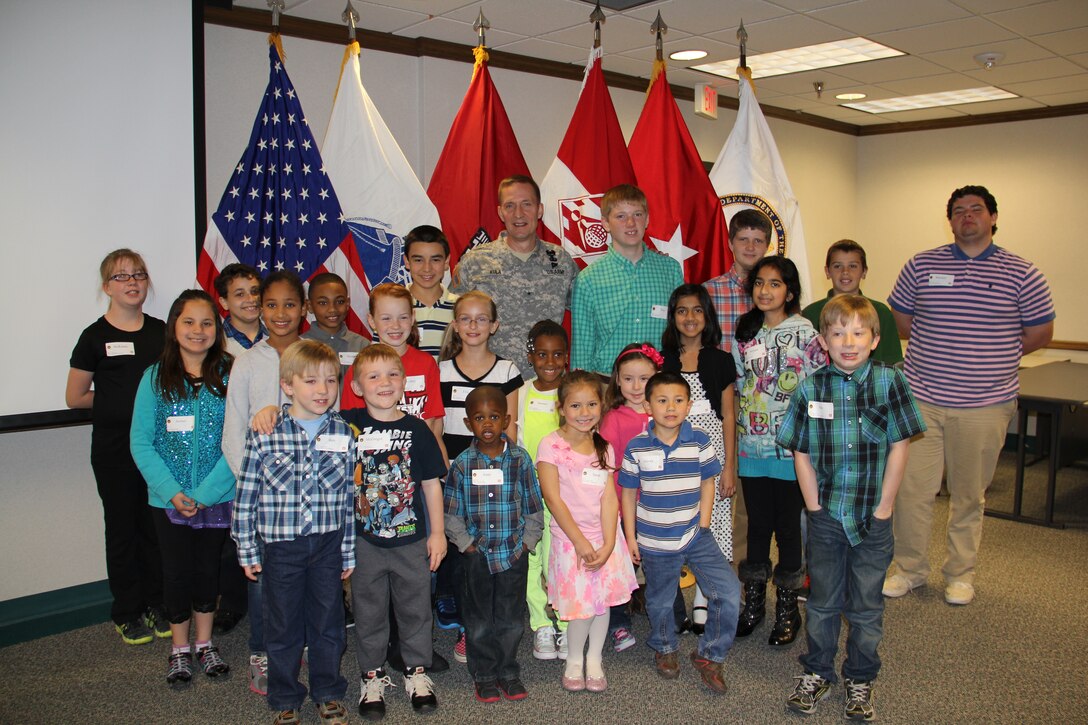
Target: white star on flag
[(674, 246)]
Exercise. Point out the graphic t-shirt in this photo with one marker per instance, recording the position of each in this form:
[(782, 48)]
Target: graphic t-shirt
[(392, 460), (422, 392)]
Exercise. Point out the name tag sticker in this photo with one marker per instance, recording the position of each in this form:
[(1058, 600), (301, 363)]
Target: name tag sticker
[(651, 460), (538, 405), (332, 443), (941, 280), (460, 392), (375, 441), (347, 358), (659, 312), (701, 407), (414, 384), (113, 349), (824, 411), (594, 477), (487, 477), (755, 352), (180, 423)]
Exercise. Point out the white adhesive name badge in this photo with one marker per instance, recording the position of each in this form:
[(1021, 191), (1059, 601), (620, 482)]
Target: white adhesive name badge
[(941, 280), (594, 477), (659, 312), (755, 352), (375, 441), (415, 384), (347, 358), (180, 423), (701, 407), (824, 411), (487, 477), (651, 460), (332, 443), (113, 349), (539, 405), (460, 392)]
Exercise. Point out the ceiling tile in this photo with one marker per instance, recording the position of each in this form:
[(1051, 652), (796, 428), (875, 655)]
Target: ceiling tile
[(454, 31), (620, 34), (1064, 99), (427, 7), (801, 83), (922, 114), (943, 36), (1065, 42), (716, 50), (867, 17), (1080, 58), (804, 5), (931, 84), (517, 14), (993, 6), (547, 50), (639, 68), (890, 69), (1049, 87), (1048, 17), (704, 16), (375, 17), (1017, 50), (1003, 73), (1008, 104), (792, 31)]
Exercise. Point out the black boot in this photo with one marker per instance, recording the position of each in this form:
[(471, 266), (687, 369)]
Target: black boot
[(787, 618), (755, 606)]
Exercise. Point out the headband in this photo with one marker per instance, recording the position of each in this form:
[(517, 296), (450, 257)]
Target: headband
[(648, 351)]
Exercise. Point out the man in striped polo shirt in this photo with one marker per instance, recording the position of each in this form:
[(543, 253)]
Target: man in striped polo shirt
[(970, 310)]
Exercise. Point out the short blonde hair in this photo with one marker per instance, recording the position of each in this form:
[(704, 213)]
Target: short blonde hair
[(840, 309), (373, 353), (105, 270), (303, 355), (619, 194)]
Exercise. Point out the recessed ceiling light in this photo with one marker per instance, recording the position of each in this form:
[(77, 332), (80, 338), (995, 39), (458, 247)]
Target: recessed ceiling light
[(810, 57), (932, 100), (688, 54), (850, 96)]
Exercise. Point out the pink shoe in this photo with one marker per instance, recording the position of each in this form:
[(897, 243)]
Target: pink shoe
[(597, 684), (574, 684)]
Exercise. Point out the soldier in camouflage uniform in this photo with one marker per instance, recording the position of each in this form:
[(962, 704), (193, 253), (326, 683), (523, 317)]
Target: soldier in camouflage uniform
[(529, 279)]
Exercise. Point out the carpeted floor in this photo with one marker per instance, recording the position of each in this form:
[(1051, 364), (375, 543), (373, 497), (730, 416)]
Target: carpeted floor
[(1018, 654)]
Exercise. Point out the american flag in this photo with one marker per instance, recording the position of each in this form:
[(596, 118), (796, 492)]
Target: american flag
[(279, 211)]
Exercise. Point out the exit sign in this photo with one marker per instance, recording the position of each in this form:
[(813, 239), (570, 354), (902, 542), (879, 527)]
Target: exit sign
[(706, 101)]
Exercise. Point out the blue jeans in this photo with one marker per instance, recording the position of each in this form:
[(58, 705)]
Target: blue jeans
[(718, 582), (845, 581), (304, 605)]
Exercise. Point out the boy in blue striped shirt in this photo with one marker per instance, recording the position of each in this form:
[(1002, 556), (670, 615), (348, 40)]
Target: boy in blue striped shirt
[(668, 495)]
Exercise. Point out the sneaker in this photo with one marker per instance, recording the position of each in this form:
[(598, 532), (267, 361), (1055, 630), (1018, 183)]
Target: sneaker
[(805, 590), (287, 717), (156, 621), (180, 672), (561, 645), (460, 650), (372, 695), (710, 671), (135, 632), (446, 613), (333, 712), (513, 689), (668, 665), (897, 585), (544, 644), (811, 688), (420, 690), (258, 673), (622, 639), (959, 593), (211, 662), (488, 692), (859, 700)]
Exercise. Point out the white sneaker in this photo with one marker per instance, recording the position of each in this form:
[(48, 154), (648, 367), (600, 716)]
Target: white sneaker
[(561, 641), (959, 593), (544, 644), (897, 585)]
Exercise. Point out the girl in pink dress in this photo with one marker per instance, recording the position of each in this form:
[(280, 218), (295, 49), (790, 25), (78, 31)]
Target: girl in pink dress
[(587, 571)]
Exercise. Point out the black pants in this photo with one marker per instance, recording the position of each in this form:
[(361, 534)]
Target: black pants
[(493, 610), (774, 507), (190, 567), (133, 563), (233, 587)]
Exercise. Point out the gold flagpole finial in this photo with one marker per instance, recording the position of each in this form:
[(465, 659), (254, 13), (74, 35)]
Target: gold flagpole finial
[(351, 17)]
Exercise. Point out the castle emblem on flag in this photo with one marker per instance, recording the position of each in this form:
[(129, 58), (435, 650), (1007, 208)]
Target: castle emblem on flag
[(583, 234)]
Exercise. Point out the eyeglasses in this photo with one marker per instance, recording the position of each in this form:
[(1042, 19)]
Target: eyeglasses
[(480, 321), (125, 276)]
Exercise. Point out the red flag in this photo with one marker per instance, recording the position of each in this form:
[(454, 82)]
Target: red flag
[(481, 151), (686, 220), (592, 159)]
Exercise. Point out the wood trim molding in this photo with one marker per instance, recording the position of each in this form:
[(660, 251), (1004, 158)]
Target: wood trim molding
[(1067, 345), (1026, 114)]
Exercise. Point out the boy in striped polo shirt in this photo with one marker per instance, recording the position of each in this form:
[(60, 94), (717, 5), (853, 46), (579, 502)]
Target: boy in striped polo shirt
[(667, 477), (427, 256), (970, 310)]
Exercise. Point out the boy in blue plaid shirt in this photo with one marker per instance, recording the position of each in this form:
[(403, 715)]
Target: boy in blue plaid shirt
[(495, 516), (849, 425), (292, 524)]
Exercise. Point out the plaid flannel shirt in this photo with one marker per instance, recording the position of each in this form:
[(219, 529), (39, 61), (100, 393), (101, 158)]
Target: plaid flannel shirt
[(730, 302)]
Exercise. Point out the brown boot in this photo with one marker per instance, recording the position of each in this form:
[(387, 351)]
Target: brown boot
[(711, 672), (668, 665)]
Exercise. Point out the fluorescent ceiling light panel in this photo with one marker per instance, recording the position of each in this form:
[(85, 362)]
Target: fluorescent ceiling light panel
[(810, 57), (932, 100)]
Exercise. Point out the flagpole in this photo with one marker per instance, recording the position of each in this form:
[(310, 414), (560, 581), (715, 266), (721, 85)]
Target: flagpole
[(350, 16), (597, 17), (277, 7), (659, 28)]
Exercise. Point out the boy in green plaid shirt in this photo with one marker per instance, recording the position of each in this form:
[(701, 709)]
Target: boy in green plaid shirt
[(849, 425)]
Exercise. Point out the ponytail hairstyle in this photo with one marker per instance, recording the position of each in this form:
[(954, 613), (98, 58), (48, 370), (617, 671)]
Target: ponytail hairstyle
[(451, 341), (585, 378), (613, 397), (712, 331), (400, 292), (171, 381), (750, 322)]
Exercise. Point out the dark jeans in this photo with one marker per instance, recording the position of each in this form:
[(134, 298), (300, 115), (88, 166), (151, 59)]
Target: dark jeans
[(133, 562), (774, 507), (233, 594), (303, 605), (846, 581), (494, 613), (190, 567)]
